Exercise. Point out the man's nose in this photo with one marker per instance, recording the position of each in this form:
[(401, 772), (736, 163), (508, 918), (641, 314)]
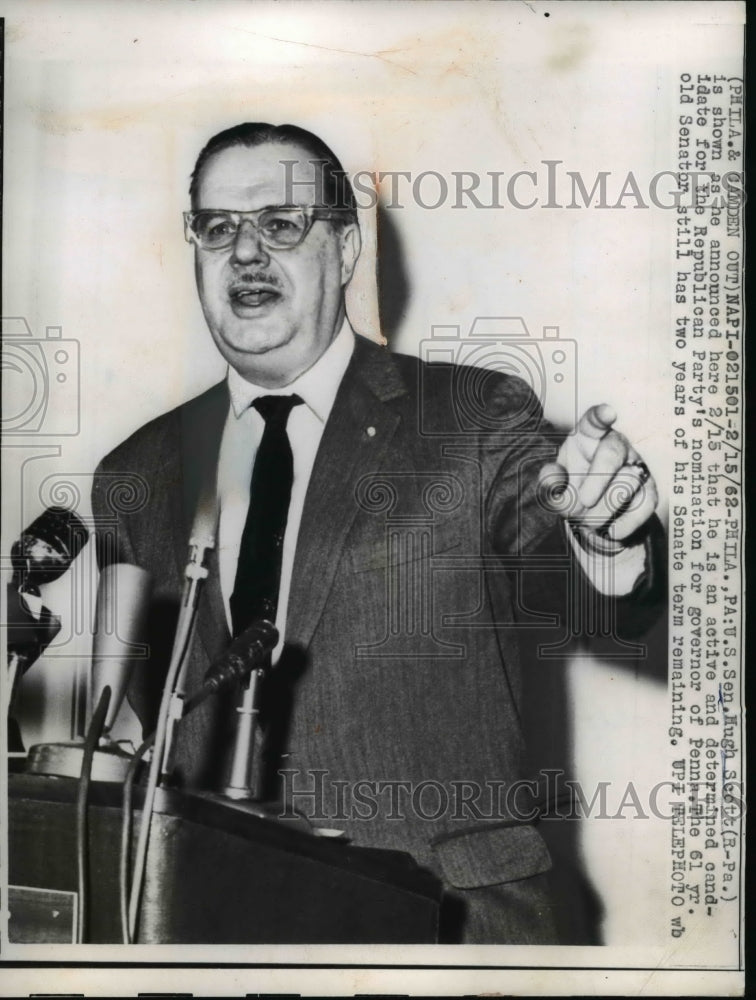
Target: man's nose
[(248, 247)]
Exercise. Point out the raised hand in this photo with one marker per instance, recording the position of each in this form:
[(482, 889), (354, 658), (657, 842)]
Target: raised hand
[(599, 481)]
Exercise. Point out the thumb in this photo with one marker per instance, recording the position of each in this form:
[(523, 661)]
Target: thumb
[(554, 491)]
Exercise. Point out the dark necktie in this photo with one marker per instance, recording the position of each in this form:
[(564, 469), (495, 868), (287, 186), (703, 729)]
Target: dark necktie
[(258, 572)]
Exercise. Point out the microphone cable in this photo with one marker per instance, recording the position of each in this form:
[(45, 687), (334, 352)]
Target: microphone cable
[(82, 798), (126, 823)]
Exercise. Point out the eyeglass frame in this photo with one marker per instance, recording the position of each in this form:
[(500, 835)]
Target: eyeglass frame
[(312, 214)]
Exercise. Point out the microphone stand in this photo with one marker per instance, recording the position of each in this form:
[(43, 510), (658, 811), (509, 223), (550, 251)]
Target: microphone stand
[(171, 704), (241, 782)]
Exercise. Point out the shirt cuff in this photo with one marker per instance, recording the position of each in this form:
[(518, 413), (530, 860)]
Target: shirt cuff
[(612, 574)]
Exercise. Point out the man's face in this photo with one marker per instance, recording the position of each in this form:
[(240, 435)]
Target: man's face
[(272, 313)]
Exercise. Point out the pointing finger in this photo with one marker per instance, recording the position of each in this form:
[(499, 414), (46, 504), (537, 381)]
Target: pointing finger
[(597, 420), (594, 424), (609, 457)]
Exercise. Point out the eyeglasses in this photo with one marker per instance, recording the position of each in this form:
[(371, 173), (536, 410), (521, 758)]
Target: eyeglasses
[(281, 228)]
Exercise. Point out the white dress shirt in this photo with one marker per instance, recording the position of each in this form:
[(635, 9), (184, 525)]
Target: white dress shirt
[(242, 434)]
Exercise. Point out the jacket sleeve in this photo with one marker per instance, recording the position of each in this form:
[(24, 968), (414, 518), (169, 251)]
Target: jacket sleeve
[(533, 540)]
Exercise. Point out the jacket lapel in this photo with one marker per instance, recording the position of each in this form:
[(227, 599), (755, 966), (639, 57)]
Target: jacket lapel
[(348, 451), (354, 443)]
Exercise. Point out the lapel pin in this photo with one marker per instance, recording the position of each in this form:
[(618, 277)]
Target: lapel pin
[(371, 432)]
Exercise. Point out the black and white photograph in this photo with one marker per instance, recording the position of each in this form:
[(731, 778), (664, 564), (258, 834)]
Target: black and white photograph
[(372, 497)]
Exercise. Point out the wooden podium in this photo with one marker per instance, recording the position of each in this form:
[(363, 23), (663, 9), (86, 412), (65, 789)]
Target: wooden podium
[(215, 875)]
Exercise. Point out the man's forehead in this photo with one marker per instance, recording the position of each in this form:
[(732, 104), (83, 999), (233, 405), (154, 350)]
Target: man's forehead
[(269, 174)]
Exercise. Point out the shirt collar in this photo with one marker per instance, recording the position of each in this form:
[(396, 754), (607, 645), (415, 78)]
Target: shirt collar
[(317, 386)]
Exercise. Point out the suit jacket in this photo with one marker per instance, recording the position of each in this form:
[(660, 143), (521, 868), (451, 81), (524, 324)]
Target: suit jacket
[(421, 538)]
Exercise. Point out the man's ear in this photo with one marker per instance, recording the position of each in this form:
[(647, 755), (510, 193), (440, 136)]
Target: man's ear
[(351, 244)]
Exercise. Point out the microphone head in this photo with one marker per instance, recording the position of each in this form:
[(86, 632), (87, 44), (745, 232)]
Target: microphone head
[(256, 640), (47, 548), (247, 652)]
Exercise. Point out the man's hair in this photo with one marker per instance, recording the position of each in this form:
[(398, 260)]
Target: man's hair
[(337, 189)]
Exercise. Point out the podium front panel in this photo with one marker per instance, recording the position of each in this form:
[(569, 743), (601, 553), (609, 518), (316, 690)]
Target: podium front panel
[(214, 875)]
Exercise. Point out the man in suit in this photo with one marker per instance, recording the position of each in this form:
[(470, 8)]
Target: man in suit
[(429, 514)]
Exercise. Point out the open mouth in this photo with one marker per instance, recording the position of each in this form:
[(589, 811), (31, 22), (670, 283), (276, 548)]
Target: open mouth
[(253, 296)]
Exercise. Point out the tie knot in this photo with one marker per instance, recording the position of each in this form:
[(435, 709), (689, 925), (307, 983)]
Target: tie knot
[(276, 409)]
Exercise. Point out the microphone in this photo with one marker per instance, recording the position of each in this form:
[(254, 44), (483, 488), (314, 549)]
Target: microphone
[(47, 548), (123, 597), (248, 652), (43, 553)]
